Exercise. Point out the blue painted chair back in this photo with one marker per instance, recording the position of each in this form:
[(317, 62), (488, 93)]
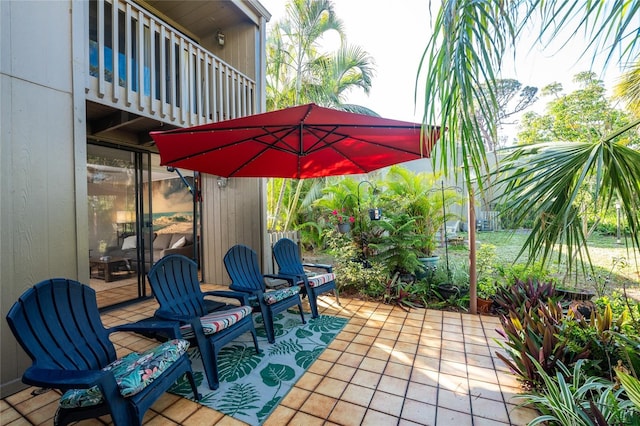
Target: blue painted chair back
[(243, 268), (287, 257), (175, 284), (58, 325)]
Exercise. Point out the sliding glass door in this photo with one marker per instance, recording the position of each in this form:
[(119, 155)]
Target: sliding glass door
[(138, 212)]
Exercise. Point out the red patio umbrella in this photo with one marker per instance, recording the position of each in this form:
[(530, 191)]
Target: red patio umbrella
[(300, 142)]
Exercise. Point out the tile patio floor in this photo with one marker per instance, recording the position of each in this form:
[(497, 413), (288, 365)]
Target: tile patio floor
[(387, 367)]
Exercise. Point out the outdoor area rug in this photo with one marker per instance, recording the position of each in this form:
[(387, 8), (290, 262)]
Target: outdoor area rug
[(252, 385)]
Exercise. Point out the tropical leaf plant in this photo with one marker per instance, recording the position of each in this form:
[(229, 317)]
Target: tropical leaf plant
[(460, 71), (572, 398)]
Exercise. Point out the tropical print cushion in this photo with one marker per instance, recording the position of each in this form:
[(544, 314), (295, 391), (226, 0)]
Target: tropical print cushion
[(133, 373), (272, 297), (217, 320), (318, 280)]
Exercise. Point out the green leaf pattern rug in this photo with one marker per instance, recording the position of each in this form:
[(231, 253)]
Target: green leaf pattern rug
[(252, 385)]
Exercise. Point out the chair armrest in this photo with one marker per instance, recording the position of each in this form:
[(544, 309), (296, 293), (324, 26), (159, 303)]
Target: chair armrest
[(328, 268), (294, 278), (240, 297), (288, 278), (170, 328), (163, 314), (65, 379)]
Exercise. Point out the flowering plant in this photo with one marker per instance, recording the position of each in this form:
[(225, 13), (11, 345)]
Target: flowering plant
[(342, 217)]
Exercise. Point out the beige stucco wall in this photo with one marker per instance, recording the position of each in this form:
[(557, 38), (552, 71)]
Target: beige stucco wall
[(38, 159)]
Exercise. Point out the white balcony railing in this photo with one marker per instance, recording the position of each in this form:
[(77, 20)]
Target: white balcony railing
[(140, 64)]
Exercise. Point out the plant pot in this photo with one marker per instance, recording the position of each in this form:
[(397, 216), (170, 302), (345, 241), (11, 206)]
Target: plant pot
[(343, 228), (575, 294), (447, 291), (484, 305), (428, 267)]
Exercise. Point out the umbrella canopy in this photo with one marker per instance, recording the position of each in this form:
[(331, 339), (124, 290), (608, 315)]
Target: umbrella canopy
[(300, 142)]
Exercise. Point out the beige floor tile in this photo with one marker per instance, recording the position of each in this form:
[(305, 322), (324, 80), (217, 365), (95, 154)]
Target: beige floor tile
[(309, 381), (359, 395), (330, 355), (482, 374), (320, 366), (364, 339), (422, 393), (425, 362), (367, 379), (393, 385), (296, 397), (425, 376), (357, 348), (453, 383), (280, 416), (376, 418), (480, 389), (373, 364), (304, 419), (448, 417), (521, 415), (409, 338), (401, 371), (454, 400), (369, 331), (406, 347), (454, 356), (428, 351), (347, 414), (477, 349), (480, 360), (454, 368), (206, 417), (494, 410), (331, 387), (419, 412), (339, 345), (379, 353), (180, 410), (318, 405), (387, 403), (341, 372), (345, 335), (352, 360), (388, 334)]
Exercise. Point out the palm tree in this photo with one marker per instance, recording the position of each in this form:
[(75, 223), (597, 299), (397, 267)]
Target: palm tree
[(298, 72), (461, 66)]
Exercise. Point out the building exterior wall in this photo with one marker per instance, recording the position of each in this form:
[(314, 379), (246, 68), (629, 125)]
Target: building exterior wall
[(38, 207), (43, 166)]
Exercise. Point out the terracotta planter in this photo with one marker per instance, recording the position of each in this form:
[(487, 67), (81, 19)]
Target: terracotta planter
[(484, 305)]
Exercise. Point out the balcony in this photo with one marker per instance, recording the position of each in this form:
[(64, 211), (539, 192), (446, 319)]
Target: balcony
[(143, 67)]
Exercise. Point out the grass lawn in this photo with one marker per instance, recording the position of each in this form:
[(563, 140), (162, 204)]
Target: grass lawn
[(603, 251)]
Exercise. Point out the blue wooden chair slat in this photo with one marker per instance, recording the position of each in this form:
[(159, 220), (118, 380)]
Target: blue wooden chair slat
[(58, 325), (287, 257), (175, 284), (241, 263)]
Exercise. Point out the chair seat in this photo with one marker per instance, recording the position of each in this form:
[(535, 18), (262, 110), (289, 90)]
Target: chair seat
[(318, 279), (133, 373), (217, 321), (275, 296)]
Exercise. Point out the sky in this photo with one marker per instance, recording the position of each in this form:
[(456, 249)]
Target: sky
[(395, 34)]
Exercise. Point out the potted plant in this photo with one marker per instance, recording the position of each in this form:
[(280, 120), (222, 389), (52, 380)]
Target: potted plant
[(343, 221), (486, 290), (419, 197)]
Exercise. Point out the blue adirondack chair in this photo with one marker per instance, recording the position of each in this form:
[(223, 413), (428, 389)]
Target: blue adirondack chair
[(242, 266), (174, 281), (289, 264), (58, 325)]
